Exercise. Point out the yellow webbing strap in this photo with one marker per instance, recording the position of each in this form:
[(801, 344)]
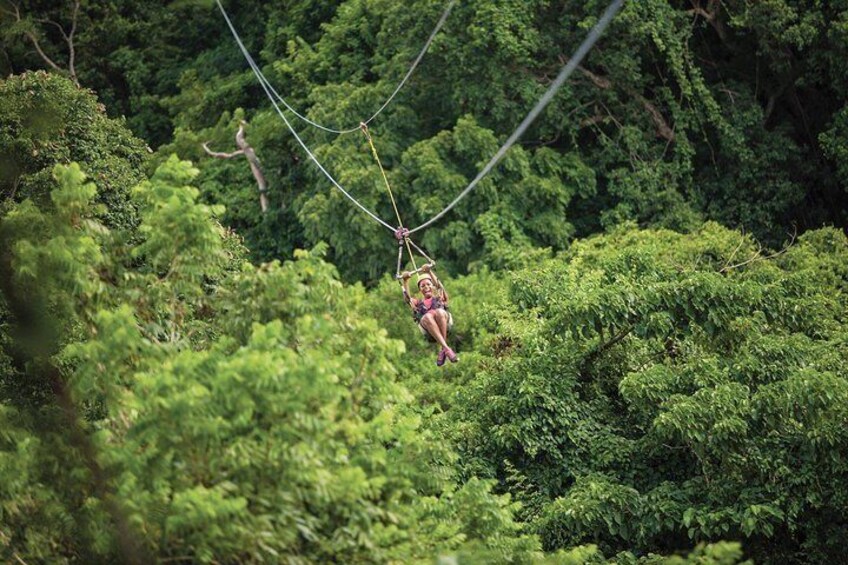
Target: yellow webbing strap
[(364, 129)]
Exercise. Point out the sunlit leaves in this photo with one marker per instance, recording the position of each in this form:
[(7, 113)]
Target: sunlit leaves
[(647, 385)]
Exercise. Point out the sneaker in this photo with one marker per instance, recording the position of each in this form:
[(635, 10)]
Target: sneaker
[(451, 355), (440, 360)]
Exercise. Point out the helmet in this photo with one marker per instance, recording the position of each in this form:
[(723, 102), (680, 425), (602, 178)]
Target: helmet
[(422, 278)]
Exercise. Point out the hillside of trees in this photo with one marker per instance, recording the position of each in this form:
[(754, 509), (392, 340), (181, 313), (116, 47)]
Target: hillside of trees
[(650, 290)]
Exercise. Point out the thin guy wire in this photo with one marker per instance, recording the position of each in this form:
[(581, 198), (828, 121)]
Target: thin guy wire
[(386, 103), (311, 156), (563, 75), (421, 252)]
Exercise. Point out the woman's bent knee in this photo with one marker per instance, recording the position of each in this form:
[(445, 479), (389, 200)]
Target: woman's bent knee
[(429, 317)]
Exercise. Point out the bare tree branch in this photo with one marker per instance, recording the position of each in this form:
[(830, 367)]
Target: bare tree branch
[(220, 155), (41, 52), (735, 251), (663, 129), (54, 24), (70, 39), (758, 256), (710, 14), (599, 81), (254, 166), (246, 150), (15, 186), (592, 121), (67, 36)]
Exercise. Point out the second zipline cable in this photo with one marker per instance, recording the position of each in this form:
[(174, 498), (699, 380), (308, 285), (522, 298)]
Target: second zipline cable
[(563, 75), (282, 100), (266, 88)]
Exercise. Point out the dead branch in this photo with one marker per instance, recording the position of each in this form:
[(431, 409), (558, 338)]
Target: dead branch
[(604, 83), (758, 256), (67, 36), (15, 186), (662, 126), (735, 251), (710, 14), (599, 81), (72, 54), (591, 121), (220, 155), (730, 94), (245, 149), (635, 158)]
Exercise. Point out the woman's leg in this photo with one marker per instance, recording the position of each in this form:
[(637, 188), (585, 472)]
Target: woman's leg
[(442, 319), (430, 323)]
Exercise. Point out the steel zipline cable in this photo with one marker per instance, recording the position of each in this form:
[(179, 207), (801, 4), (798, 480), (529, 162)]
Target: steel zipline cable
[(388, 101), (266, 88), (563, 75)]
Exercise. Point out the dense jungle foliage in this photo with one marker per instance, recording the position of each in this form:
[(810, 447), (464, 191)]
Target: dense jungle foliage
[(649, 290)]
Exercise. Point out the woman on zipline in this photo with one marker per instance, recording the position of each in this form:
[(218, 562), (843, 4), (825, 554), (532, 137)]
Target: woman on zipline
[(433, 319)]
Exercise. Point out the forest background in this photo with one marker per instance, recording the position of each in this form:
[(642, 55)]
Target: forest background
[(650, 288)]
